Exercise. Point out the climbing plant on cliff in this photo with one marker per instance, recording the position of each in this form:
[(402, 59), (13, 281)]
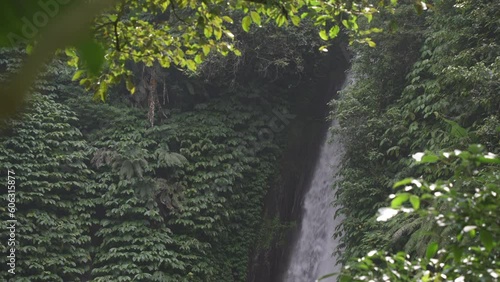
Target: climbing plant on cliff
[(231, 155), (53, 194), (190, 187)]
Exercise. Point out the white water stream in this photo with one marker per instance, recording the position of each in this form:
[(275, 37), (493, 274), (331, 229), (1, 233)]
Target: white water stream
[(311, 257)]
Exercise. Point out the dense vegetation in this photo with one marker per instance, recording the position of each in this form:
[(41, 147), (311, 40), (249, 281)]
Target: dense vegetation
[(168, 184), (431, 85), (165, 185)]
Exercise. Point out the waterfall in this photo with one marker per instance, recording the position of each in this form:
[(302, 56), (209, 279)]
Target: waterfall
[(311, 256)]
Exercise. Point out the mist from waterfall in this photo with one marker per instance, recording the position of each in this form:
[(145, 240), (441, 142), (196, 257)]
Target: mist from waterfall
[(311, 256)]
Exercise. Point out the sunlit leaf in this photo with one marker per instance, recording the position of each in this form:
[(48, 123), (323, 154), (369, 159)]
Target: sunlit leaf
[(431, 250), (405, 181), (429, 158), (227, 19), (415, 202), (255, 17), (77, 75), (323, 35), (245, 23), (334, 31), (399, 200)]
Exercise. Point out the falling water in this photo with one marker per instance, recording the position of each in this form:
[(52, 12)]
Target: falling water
[(311, 257)]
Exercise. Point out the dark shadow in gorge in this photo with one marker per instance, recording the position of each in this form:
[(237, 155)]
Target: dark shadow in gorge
[(306, 132)]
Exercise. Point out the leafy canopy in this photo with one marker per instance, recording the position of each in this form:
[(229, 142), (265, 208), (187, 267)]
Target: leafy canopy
[(102, 37)]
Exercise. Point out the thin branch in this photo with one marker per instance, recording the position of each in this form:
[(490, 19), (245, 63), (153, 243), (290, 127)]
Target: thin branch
[(115, 24), (175, 13)]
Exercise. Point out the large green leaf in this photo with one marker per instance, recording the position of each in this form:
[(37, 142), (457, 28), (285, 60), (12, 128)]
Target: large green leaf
[(92, 54), (431, 250)]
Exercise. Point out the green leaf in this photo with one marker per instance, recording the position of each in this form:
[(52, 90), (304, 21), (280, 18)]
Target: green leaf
[(472, 233), (431, 250), (476, 148), (228, 19), (77, 75), (456, 129), (369, 17), (206, 49), (191, 65), (486, 239), (405, 181), (29, 49), (218, 33), (399, 200), (245, 23), (92, 54), (334, 31), (130, 85), (280, 20), (112, 18), (208, 30), (198, 59), (255, 17), (457, 253), (415, 202), (102, 92), (489, 159), (429, 158), (323, 35), (295, 20)]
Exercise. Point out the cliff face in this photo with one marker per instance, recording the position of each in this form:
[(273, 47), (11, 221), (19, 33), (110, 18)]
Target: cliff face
[(285, 197)]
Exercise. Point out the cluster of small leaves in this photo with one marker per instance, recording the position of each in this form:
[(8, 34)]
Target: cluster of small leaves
[(471, 197), (183, 33)]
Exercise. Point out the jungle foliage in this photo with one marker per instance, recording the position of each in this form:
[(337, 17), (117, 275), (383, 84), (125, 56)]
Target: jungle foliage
[(104, 37), (164, 185), (463, 212), (168, 184), (430, 85)]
